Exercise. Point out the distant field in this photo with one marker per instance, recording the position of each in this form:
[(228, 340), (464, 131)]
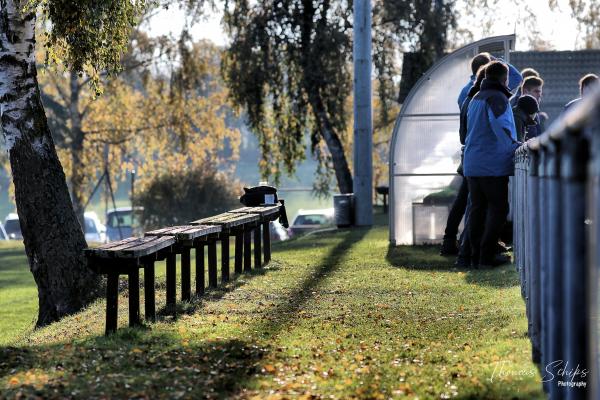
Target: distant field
[(18, 293)]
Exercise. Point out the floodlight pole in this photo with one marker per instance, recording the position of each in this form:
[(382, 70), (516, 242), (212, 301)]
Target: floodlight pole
[(363, 115)]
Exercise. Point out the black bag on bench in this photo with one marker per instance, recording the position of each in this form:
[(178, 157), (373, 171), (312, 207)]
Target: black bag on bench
[(264, 195)]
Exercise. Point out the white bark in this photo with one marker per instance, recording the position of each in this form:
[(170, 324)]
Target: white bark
[(17, 50)]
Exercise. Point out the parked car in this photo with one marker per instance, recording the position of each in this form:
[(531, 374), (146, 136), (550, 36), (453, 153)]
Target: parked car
[(3, 234), (310, 220), (278, 232), (122, 223), (95, 231), (12, 227)]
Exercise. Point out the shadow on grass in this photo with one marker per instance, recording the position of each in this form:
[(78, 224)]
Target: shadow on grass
[(137, 363), (190, 307), (130, 365), (427, 258), (286, 312)]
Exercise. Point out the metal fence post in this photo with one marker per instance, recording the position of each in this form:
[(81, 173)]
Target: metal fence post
[(552, 284), (593, 235), (535, 256), (575, 345)]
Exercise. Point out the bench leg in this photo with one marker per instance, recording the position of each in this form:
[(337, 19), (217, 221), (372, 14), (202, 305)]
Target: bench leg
[(212, 264), (225, 257), (199, 269), (134, 297), (247, 250), (239, 249), (267, 242), (257, 247), (171, 281), (149, 299), (112, 302), (185, 275)]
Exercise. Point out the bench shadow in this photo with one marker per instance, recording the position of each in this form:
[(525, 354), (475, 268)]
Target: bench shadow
[(286, 312), (158, 365), (141, 363), (427, 258), (164, 313)]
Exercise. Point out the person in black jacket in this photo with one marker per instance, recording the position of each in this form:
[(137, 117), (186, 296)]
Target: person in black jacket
[(525, 113), (457, 211)]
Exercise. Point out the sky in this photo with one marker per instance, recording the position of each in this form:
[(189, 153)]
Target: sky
[(557, 26)]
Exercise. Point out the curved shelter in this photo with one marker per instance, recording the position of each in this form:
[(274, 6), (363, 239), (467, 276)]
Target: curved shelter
[(425, 148)]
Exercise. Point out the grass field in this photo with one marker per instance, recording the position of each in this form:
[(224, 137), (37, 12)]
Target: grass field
[(337, 315)]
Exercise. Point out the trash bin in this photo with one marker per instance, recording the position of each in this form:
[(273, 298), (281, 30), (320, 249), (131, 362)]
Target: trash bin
[(343, 207)]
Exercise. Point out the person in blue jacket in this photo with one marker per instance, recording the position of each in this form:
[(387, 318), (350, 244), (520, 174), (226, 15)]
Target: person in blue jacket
[(488, 162), (459, 207), (514, 78)]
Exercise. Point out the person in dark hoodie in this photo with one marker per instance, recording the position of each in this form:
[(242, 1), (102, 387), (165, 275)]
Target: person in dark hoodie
[(457, 211), (488, 162), (525, 112)]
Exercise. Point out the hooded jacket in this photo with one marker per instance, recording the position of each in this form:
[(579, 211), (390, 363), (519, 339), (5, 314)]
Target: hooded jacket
[(491, 138), (514, 81), (522, 122)]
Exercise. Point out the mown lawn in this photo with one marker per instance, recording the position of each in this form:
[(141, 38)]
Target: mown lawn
[(18, 293), (336, 315)]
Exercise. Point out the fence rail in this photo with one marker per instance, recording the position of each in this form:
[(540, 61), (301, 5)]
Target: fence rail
[(556, 211)]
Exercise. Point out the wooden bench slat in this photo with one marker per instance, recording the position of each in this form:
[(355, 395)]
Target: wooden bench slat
[(111, 250), (155, 244), (265, 213), (228, 220), (186, 232), (132, 247), (114, 244)]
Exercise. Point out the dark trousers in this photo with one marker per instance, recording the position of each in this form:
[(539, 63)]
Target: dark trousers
[(457, 211), (485, 225)]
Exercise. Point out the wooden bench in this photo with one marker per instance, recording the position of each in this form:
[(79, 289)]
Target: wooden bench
[(239, 225), (187, 237), (126, 257)]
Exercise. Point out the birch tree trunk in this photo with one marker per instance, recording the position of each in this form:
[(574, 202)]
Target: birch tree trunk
[(53, 237)]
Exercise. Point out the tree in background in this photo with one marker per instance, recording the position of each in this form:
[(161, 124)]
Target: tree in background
[(289, 66), (166, 112), (178, 197), (88, 36), (587, 14)]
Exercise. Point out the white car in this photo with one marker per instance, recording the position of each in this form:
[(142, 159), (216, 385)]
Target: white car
[(95, 231), (310, 220), (12, 227)]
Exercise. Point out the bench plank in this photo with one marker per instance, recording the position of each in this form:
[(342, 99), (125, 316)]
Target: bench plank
[(228, 220), (186, 232), (132, 247), (149, 247), (265, 213)]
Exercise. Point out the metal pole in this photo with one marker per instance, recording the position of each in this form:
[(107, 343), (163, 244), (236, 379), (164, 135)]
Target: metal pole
[(593, 224), (363, 115), (554, 275), (575, 345)]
